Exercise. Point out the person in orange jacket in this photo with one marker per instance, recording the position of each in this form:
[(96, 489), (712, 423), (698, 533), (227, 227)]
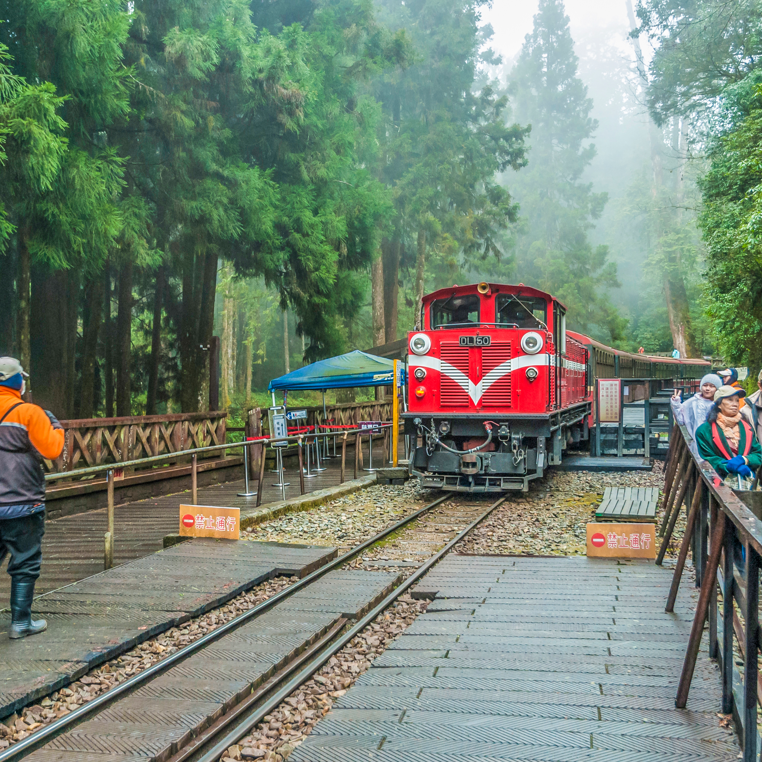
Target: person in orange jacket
[(27, 435), (729, 377)]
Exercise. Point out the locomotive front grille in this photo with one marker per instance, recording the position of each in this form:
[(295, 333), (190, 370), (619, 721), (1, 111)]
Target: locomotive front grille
[(451, 393), (499, 391)]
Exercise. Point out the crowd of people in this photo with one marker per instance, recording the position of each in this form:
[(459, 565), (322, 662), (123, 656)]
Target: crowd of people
[(725, 426)]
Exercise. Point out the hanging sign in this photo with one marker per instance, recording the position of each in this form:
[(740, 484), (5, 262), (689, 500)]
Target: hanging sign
[(370, 427), (609, 399), (210, 521)]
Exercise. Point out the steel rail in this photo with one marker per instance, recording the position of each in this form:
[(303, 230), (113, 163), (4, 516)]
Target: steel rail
[(217, 751), (294, 438), (47, 733)]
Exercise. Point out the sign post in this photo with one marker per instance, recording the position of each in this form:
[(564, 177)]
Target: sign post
[(372, 427), (395, 416), (279, 428)]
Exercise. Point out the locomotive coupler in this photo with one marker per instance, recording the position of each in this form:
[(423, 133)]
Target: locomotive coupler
[(517, 449)]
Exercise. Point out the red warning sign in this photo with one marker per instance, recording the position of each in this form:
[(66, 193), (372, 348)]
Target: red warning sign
[(188, 520), (597, 539)]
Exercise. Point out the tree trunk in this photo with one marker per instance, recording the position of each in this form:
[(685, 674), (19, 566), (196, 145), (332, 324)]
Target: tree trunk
[(24, 294), (377, 300), (249, 369), (49, 342), (108, 344), (153, 368), (420, 272), (391, 253), (91, 329), (286, 342), (678, 308), (188, 336), (228, 339), (124, 342)]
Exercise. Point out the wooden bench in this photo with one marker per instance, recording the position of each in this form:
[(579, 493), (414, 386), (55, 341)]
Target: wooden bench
[(628, 504)]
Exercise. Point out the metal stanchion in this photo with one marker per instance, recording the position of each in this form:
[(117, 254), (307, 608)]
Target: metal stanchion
[(246, 490), (108, 554), (308, 474), (370, 452), (282, 483), (301, 467), (194, 479), (318, 467), (343, 457)]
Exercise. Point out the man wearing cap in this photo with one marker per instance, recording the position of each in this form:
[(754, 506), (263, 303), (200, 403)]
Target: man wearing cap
[(730, 378), (27, 435), (693, 412), (726, 440), (752, 410)]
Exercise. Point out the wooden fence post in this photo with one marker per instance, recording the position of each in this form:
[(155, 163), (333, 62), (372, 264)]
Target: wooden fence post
[(697, 628)]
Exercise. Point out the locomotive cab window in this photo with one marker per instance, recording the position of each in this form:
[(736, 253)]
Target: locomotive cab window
[(521, 311), (455, 312)]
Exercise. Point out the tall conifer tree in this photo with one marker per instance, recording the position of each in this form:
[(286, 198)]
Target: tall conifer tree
[(554, 253)]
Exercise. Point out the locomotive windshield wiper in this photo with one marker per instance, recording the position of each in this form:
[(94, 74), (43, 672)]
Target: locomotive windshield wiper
[(531, 314)]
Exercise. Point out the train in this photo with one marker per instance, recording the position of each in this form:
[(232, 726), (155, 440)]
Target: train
[(498, 387)]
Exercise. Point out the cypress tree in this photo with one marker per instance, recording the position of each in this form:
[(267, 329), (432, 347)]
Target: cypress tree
[(554, 253)]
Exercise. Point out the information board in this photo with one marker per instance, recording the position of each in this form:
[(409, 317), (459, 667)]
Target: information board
[(210, 521), (278, 426), (608, 540), (609, 400)]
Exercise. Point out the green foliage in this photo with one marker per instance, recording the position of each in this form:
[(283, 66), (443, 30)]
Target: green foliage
[(554, 252), (701, 48), (732, 190)]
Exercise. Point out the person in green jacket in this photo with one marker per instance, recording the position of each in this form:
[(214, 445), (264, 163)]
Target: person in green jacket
[(726, 440)]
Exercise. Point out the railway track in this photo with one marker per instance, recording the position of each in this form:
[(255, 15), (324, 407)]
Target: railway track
[(199, 701)]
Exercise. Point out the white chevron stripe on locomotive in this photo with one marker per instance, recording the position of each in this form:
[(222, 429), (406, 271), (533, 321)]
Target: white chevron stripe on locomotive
[(476, 391)]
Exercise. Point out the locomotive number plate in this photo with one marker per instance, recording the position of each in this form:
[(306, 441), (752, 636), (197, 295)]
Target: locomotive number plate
[(475, 341)]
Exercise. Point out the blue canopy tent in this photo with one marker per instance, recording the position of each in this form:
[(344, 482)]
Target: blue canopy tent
[(350, 370)]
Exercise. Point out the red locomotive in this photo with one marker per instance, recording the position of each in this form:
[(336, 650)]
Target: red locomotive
[(498, 387)]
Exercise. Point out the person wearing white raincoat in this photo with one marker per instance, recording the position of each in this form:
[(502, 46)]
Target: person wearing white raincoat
[(693, 412)]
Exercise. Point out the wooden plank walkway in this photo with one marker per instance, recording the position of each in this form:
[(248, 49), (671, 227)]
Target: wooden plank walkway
[(541, 660), (73, 545), (628, 504), (98, 618)]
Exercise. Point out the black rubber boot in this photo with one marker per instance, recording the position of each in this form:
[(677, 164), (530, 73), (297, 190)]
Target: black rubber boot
[(22, 624)]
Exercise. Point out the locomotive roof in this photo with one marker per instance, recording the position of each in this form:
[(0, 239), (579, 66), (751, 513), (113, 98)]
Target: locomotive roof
[(500, 288)]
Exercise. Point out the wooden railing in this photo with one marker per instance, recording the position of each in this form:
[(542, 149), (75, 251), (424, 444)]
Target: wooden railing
[(99, 441), (724, 531)]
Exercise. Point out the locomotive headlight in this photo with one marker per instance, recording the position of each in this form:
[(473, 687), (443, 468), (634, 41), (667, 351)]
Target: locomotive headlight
[(531, 343), (420, 392), (420, 344), (419, 373), (532, 374)]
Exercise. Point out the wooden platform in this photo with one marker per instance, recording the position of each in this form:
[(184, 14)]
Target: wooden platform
[(533, 659), (100, 617), (72, 548), (628, 504)]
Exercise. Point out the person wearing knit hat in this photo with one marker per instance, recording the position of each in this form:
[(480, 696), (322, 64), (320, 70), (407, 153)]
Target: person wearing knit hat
[(27, 435), (693, 412), (727, 441)]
